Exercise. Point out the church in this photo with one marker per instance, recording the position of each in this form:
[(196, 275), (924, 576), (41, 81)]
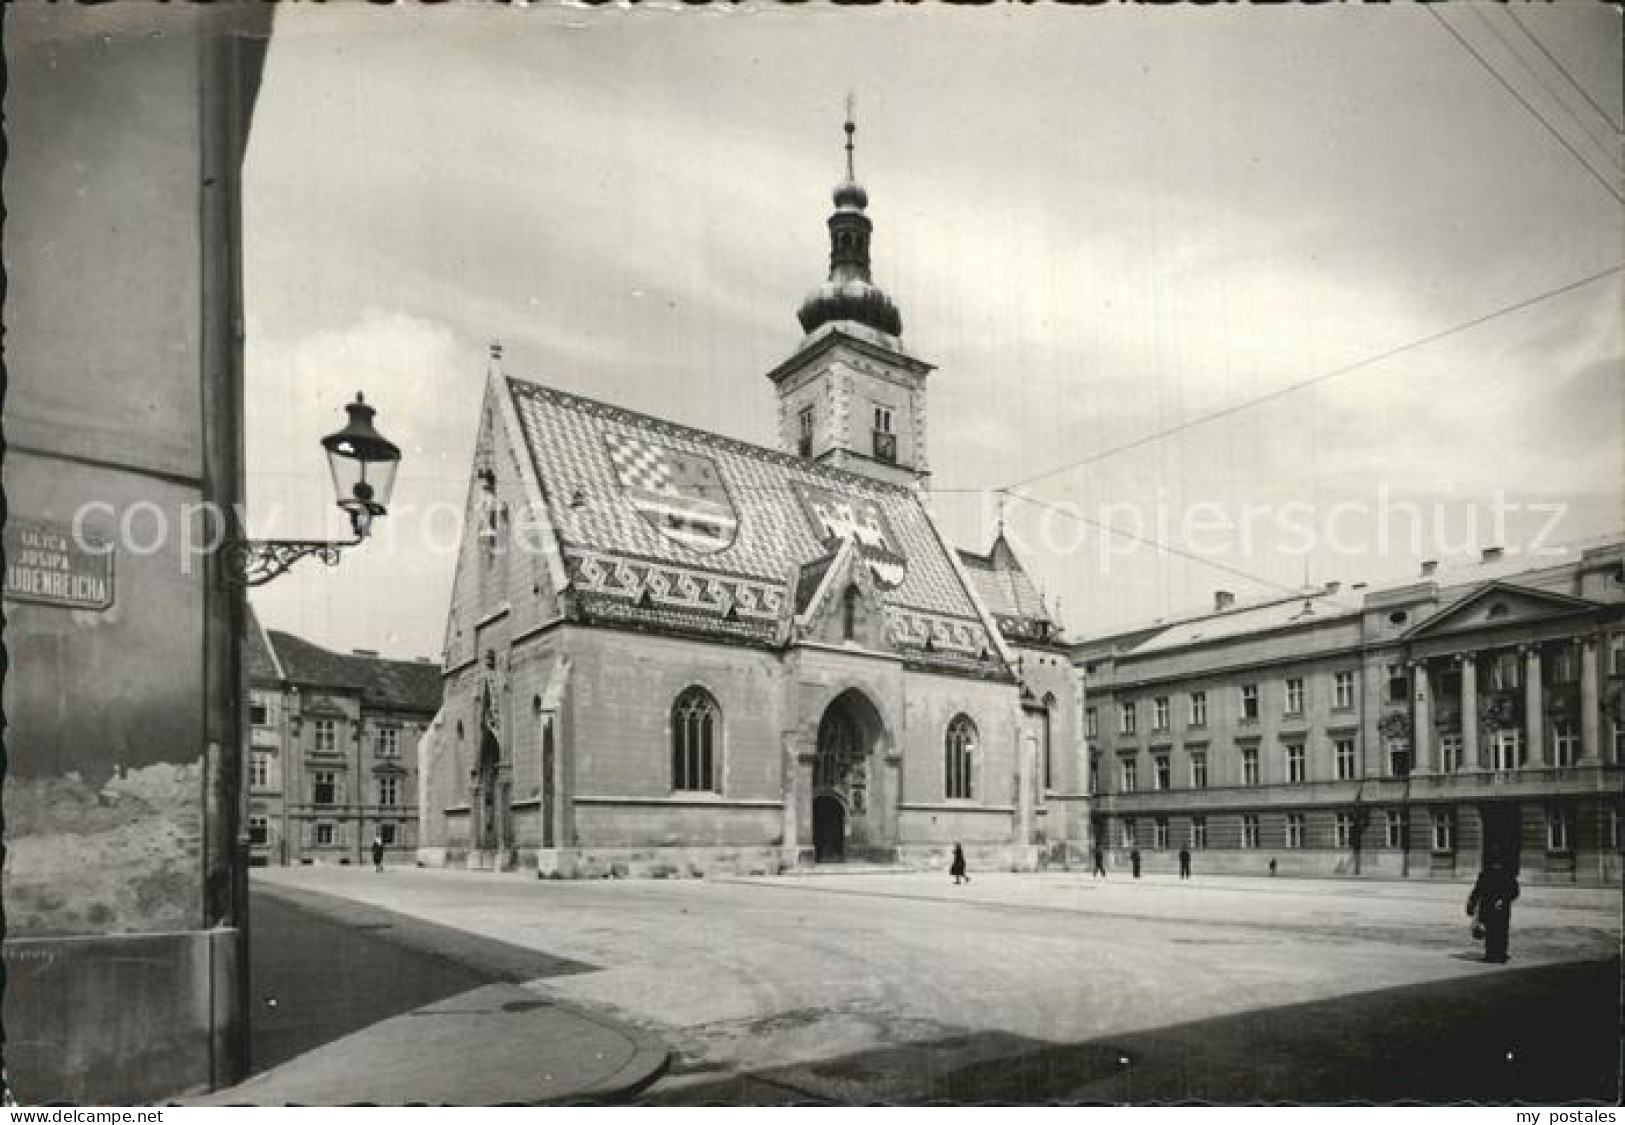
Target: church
[(671, 653)]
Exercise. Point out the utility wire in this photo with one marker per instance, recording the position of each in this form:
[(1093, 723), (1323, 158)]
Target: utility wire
[(1509, 88), (1579, 122), (1529, 35), (1315, 380), (1166, 548)]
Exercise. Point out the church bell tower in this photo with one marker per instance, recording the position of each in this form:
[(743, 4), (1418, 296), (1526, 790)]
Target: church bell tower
[(851, 395)]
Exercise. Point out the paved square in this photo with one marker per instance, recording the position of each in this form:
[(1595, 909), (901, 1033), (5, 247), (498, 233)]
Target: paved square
[(874, 987)]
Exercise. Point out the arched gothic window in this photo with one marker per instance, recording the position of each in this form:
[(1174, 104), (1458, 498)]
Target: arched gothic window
[(696, 729), (849, 614), (1046, 741), (959, 748)]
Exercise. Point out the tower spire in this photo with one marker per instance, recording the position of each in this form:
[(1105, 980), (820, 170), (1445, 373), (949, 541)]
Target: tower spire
[(851, 128)]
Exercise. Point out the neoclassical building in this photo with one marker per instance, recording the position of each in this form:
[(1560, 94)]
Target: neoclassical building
[(669, 651), (1412, 730)]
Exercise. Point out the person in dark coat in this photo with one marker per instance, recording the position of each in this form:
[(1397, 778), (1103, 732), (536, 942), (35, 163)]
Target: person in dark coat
[(1134, 861), (1100, 861), (1184, 863), (1491, 901), (957, 867), (377, 851)]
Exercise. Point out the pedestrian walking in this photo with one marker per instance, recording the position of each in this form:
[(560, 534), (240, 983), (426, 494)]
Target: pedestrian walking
[(377, 851), (1272, 867), (1134, 861), (1184, 863), (1100, 861), (957, 867), (1491, 901)]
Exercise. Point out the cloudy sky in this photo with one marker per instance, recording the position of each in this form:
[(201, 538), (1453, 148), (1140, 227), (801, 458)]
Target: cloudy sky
[(1102, 224)]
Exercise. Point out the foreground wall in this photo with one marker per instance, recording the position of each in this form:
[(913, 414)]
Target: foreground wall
[(123, 897)]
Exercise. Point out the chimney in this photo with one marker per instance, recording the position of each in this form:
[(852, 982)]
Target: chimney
[(364, 652), (1359, 586), (1333, 587), (1429, 567), (1223, 600), (1492, 554)]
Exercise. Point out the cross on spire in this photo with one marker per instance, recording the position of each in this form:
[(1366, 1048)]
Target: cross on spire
[(851, 127)]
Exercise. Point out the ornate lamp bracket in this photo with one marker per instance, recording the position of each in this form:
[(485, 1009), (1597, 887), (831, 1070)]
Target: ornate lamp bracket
[(254, 562)]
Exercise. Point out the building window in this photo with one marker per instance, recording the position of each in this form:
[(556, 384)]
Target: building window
[(1565, 744), (1125, 718), (1129, 775), (1395, 825), (1613, 829), (1559, 830), (960, 746), (389, 790), (1565, 669), (386, 835), (324, 835), (1444, 831), (1198, 708), (1198, 771), (326, 734), (1616, 655), (1619, 740), (1164, 771), (1159, 837), (1399, 757), (387, 743), (1343, 830), (259, 830), (1294, 697), (885, 442), (259, 770), (1505, 671), (1159, 713), (1295, 763), (1450, 752), (804, 436), (1294, 830), (1249, 765), (1249, 703), (1399, 684), (1249, 830), (1198, 833), (696, 721), (1506, 743), (849, 613), (1045, 738), (1094, 773), (1344, 752), (1343, 691), (1091, 723), (327, 786), (1127, 836), (259, 713)]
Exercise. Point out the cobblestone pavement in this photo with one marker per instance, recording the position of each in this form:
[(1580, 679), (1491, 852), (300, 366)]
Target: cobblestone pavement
[(902, 987)]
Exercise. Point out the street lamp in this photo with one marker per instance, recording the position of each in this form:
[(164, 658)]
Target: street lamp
[(363, 463)]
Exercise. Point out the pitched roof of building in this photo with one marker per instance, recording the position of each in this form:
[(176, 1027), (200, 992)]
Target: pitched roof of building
[(259, 661), (399, 685), (1008, 591), (688, 528)]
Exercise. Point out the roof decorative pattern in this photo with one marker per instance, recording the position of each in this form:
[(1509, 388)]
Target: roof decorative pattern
[(569, 438), (1008, 592)]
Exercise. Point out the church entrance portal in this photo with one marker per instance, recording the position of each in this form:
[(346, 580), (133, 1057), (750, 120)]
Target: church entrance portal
[(844, 776), (829, 829), (486, 788)]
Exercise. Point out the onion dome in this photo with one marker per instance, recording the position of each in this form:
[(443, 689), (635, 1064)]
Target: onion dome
[(850, 294)]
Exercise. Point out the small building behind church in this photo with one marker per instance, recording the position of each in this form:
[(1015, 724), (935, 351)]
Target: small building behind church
[(672, 652)]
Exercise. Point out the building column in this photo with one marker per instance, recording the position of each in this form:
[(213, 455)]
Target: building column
[(1421, 719), (1472, 755), (1534, 718), (1590, 710), (1026, 762)]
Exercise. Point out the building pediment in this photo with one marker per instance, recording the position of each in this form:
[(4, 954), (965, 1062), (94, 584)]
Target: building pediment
[(1498, 604)]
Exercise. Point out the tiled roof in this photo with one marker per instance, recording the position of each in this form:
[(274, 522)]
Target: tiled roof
[(1004, 585), (259, 663), (401, 685), (754, 521)]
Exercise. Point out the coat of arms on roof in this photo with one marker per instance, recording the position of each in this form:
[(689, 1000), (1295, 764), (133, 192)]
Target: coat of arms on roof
[(835, 517), (679, 493)]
